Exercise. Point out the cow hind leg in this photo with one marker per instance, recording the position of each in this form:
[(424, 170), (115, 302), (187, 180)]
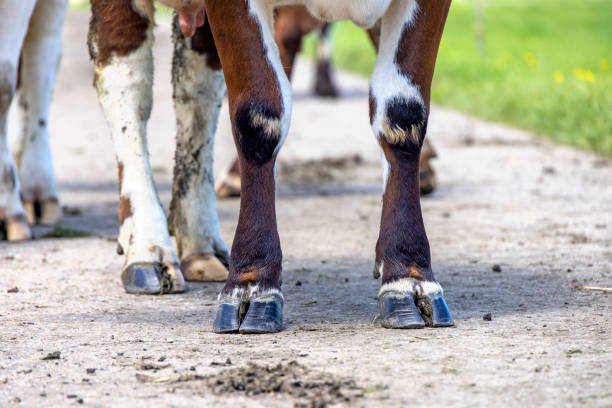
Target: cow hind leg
[(120, 40), (199, 88), (14, 18), (40, 59), (260, 107), (410, 296)]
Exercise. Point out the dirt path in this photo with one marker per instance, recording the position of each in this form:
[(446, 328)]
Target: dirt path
[(542, 213)]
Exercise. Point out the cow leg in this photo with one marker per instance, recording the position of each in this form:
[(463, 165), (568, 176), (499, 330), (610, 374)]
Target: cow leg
[(260, 108), (40, 57), (324, 84), (14, 18), (291, 24), (120, 39), (410, 296), (199, 88)]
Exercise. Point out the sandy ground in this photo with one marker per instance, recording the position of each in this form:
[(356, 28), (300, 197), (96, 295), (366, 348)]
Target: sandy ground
[(543, 213)]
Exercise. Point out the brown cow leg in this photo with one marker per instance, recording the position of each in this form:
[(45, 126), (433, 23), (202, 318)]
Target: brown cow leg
[(260, 108), (291, 24), (410, 296)]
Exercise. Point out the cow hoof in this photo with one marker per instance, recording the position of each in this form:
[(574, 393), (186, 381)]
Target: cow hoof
[(428, 182), (50, 211), (43, 212), (264, 315), (435, 312), (17, 228), (204, 268), (413, 304), (228, 316), (148, 278), (228, 186), (260, 314), (398, 311)]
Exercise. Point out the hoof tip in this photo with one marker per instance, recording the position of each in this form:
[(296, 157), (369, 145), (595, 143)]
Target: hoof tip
[(398, 311), (265, 315), (148, 278), (262, 314)]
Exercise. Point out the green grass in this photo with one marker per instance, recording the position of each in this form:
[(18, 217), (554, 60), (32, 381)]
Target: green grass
[(545, 66)]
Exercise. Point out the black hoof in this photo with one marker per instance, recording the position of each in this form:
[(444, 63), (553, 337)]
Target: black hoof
[(435, 312), (265, 315), (228, 316), (142, 279), (398, 311)]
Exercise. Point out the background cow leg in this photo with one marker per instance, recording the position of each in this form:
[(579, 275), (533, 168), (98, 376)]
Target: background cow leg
[(14, 18), (199, 88), (260, 109), (40, 57), (121, 35), (410, 296)]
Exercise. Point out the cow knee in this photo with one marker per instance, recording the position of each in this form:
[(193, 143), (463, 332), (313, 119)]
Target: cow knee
[(258, 131), (7, 84), (404, 123), (291, 40)]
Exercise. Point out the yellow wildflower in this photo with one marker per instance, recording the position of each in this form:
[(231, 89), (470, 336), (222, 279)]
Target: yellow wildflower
[(605, 65), (584, 74), (530, 59), (558, 76)]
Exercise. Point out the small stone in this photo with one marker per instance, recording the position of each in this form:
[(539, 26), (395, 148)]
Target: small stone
[(496, 268), (71, 396), (13, 290), (90, 371), (298, 283), (487, 317)]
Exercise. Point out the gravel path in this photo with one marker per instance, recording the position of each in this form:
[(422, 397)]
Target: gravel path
[(540, 212)]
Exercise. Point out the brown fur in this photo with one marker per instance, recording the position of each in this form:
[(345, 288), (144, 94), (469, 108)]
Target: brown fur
[(116, 28), (418, 48), (125, 209), (203, 43)]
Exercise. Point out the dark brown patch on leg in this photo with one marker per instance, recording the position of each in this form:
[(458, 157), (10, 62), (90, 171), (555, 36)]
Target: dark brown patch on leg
[(203, 43), (115, 27)]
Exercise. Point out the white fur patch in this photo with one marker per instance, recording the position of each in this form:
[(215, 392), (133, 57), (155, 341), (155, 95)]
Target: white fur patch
[(271, 126), (251, 291), (364, 13), (125, 94), (14, 17), (29, 136), (413, 286)]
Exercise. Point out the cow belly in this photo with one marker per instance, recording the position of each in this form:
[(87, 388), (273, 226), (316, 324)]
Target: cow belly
[(364, 13)]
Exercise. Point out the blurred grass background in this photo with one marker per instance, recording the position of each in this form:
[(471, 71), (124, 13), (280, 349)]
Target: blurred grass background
[(542, 65)]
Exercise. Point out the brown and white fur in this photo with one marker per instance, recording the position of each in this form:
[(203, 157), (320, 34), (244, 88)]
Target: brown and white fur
[(238, 35), (30, 51), (291, 24)]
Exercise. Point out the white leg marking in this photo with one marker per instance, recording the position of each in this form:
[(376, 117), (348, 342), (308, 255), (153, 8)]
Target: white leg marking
[(124, 91), (387, 80), (413, 286), (14, 17), (198, 92), (41, 54)]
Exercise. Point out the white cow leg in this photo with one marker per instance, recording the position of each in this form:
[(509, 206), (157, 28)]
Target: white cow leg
[(199, 88), (120, 42), (14, 17), (40, 59)]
